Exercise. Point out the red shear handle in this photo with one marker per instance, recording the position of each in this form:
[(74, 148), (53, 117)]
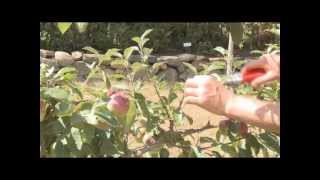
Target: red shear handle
[(250, 75)]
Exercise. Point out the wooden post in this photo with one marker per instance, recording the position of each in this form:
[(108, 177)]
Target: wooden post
[(229, 59)]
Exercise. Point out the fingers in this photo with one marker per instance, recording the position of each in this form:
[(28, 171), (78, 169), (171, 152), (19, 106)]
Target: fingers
[(190, 92), (271, 59), (269, 76), (190, 100), (191, 83)]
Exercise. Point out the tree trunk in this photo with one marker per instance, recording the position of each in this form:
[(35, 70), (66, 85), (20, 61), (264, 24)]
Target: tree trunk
[(230, 56)]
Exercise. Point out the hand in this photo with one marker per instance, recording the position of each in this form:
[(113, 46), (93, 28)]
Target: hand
[(270, 63), (207, 93)]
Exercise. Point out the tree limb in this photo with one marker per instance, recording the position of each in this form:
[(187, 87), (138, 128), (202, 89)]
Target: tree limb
[(141, 150), (192, 131)]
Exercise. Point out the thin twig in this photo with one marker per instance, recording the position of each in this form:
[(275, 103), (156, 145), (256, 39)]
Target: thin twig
[(141, 150), (192, 131), (180, 104)]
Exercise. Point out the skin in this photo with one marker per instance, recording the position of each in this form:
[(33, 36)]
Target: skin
[(213, 96)]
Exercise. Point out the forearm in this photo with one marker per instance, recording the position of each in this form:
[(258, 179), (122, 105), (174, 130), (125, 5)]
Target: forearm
[(256, 112)]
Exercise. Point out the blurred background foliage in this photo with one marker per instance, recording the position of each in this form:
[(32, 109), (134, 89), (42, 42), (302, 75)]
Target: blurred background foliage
[(165, 38)]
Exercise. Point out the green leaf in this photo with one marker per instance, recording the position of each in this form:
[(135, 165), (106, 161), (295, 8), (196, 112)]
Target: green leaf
[(144, 41), (137, 66), (59, 149), (196, 152), (78, 121), (91, 49), (238, 64), (270, 142), (163, 84), (221, 50), (216, 154), (83, 106), (64, 71), (178, 117), (214, 66), (274, 31), (63, 26), (87, 134), (92, 67), (271, 47), (172, 96), (92, 73), (105, 59), (56, 93), (75, 89), (232, 136), (245, 153), (252, 143), (117, 54), (191, 67), (131, 113), (164, 153), (275, 52), (218, 135), (152, 123), (142, 104), (64, 108), (82, 26), (50, 72), (137, 40), (257, 52), (106, 79), (204, 66), (156, 66), (96, 120), (117, 76), (119, 63), (178, 86), (104, 113), (120, 86), (265, 152), (107, 148), (75, 133), (147, 51), (146, 33), (54, 127), (127, 52), (138, 85), (229, 150)]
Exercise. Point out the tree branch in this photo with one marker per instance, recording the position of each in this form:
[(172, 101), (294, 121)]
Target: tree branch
[(141, 150), (192, 131)]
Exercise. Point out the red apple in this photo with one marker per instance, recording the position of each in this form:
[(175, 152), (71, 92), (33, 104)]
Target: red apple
[(118, 104)]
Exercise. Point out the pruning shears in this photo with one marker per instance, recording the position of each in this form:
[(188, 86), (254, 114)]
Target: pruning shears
[(237, 78)]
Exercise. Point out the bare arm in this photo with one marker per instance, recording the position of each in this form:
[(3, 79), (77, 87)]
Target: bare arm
[(256, 112), (211, 95)]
